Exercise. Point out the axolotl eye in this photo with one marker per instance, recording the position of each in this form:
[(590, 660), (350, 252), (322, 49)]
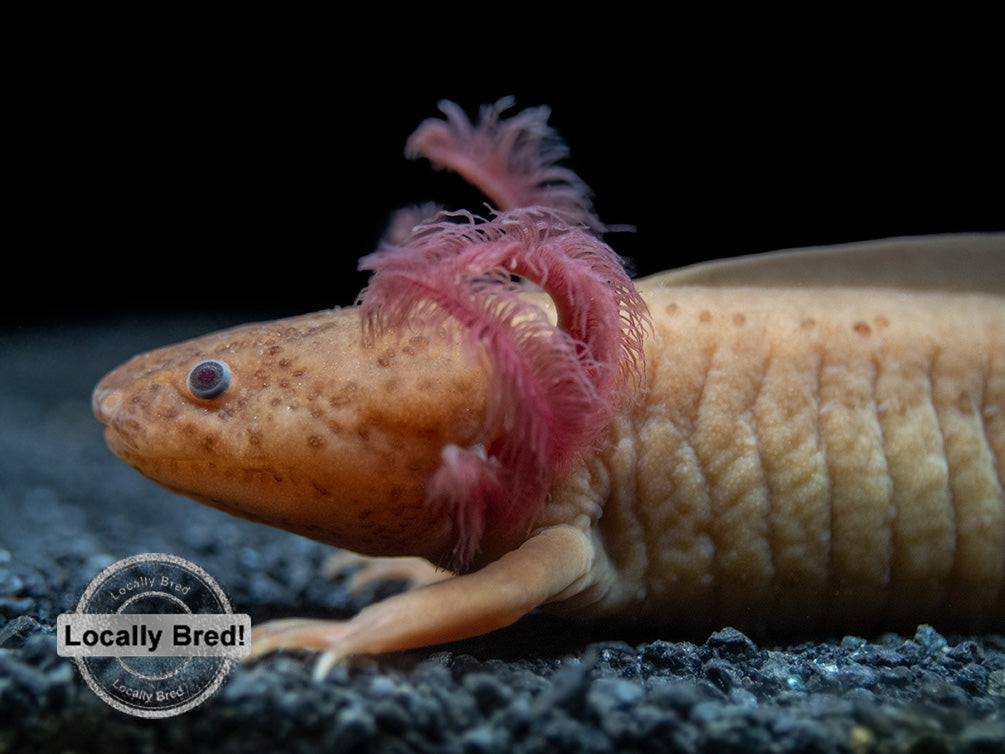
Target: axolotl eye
[(209, 378)]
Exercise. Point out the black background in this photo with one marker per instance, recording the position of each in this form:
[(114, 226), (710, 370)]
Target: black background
[(189, 173)]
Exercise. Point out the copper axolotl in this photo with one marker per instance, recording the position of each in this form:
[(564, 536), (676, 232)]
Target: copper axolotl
[(798, 441)]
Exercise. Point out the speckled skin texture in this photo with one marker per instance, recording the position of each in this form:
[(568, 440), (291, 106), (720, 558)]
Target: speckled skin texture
[(807, 458), (801, 457), (317, 434)]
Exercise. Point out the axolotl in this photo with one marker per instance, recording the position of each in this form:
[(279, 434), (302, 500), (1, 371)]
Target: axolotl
[(797, 441)]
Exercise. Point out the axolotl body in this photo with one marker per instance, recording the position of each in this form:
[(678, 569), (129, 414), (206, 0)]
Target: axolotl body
[(793, 442)]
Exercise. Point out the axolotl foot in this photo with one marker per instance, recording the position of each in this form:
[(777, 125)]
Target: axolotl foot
[(329, 636), (325, 636)]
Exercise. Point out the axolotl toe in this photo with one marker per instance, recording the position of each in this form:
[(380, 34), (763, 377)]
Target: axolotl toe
[(800, 441)]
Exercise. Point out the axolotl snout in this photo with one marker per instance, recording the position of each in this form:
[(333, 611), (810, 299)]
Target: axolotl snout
[(802, 441)]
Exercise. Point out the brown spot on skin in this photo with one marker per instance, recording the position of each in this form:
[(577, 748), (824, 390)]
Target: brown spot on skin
[(315, 441), (807, 323), (966, 404), (705, 316), (284, 362), (739, 320), (169, 412), (881, 321), (385, 358), (862, 328), (671, 309)]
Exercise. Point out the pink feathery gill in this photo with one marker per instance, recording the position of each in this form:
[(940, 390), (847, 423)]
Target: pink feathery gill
[(553, 386)]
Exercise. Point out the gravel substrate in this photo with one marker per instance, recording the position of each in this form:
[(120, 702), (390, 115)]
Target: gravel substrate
[(68, 508)]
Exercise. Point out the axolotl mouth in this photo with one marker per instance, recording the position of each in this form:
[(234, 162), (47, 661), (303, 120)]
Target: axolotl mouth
[(117, 404)]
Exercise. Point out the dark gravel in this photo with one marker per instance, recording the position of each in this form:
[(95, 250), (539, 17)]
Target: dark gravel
[(68, 508)]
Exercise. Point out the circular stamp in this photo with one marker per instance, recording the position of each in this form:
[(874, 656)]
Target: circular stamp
[(153, 635)]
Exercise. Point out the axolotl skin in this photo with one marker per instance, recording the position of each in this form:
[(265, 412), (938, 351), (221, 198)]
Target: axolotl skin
[(798, 441)]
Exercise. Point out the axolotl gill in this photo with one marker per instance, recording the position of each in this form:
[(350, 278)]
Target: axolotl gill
[(798, 441)]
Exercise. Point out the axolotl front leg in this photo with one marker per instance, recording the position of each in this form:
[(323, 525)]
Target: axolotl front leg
[(547, 567)]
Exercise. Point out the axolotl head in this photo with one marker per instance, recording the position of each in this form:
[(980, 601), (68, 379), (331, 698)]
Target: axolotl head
[(445, 444), (300, 424)]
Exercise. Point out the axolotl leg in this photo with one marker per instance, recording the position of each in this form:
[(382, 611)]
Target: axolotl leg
[(548, 566)]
